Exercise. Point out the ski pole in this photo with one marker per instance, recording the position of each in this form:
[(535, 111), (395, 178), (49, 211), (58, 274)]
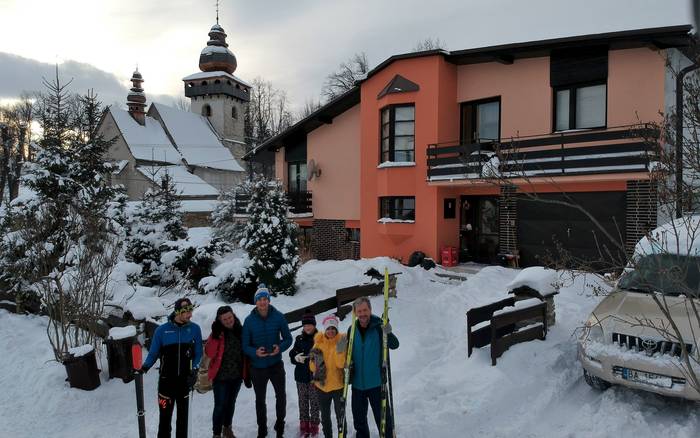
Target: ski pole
[(136, 362), (189, 408)]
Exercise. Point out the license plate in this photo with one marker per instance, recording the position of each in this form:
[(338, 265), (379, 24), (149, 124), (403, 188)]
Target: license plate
[(647, 378)]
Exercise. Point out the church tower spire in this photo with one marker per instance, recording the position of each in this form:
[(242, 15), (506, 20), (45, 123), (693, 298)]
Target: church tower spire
[(136, 99)]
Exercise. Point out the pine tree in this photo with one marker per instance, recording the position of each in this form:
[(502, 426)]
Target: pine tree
[(269, 237), (226, 222), (156, 228)]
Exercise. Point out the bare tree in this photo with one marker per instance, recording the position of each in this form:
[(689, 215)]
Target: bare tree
[(345, 77), (428, 44), (183, 104), (310, 106), (268, 112), (15, 136)]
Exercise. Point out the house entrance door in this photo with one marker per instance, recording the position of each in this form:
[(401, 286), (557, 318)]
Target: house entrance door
[(478, 230)]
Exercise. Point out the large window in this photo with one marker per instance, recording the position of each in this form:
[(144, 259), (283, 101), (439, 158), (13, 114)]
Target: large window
[(397, 135), (481, 121), (397, 207), (580, 107), (296, 176)]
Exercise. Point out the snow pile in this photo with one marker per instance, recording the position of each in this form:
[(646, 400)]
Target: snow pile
[(680, 236), (117, 333), (543, 280), (82, 350)]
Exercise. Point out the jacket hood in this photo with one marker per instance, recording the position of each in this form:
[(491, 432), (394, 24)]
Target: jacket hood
[(621, 312)]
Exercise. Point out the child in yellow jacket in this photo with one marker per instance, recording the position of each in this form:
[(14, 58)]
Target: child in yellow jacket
[(327, 361)]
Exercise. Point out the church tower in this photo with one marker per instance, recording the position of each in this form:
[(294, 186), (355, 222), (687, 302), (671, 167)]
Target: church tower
[(219, 95)]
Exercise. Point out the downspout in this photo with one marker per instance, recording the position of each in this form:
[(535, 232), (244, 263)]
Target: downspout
[(679, 136)]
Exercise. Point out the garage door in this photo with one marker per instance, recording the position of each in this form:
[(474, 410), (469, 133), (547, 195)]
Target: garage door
[(543, 226)]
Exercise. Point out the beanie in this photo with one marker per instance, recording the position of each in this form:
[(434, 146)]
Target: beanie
[(262, 292), (330, 321), (308, 318)]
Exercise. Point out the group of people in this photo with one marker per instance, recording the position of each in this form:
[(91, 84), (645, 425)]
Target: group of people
[(318, 358)]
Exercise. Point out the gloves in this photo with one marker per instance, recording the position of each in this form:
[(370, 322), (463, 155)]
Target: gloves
[(341, 345), (386, 329), (192, 378), (300, 358), (142, 370)]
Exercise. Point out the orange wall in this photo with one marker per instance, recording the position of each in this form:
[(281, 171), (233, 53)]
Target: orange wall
[(526, 97), (635, 86), (437, 119), (281, 167), (336, 150)]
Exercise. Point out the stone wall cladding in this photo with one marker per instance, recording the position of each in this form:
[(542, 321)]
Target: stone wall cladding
[(507, 217), (641, 215), (330, 241)]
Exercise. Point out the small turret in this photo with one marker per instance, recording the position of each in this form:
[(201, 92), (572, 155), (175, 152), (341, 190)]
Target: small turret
[(136, 99)]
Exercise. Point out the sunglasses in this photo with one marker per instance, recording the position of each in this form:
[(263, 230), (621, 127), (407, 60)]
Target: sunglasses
[(185, 309)]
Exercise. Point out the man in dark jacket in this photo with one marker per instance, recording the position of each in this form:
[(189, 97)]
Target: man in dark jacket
[(265, 336), (178, 345), (367, 367)]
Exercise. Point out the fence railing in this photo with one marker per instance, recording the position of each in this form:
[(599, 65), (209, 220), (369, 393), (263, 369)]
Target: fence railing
[(611, 150), (298, 203)]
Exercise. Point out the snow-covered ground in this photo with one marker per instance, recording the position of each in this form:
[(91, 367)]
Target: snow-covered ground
[(535, 390)]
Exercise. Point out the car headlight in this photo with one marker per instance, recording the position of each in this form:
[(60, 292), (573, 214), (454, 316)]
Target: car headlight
[(593, 331)]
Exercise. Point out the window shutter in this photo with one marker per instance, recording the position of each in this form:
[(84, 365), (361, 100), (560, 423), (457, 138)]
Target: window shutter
[(575, 66)]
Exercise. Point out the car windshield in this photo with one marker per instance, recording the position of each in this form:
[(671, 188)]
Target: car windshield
[(670, 274)]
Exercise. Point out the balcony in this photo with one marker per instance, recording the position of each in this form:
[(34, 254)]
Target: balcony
[(612, 150), (299, 204)]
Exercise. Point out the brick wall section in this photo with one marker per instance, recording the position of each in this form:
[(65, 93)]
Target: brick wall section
[(642, 201), (507, 217), (330, 241)]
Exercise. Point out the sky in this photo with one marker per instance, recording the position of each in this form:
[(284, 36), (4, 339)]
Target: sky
[(293, 44)]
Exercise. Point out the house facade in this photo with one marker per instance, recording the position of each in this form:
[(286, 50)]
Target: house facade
[(481, 149)]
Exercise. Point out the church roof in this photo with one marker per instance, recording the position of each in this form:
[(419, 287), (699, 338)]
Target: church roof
[(148, 142), (195, 139), (186, 183), (215, 74)]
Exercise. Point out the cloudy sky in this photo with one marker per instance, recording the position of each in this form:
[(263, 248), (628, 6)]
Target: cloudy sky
[(293, 44)]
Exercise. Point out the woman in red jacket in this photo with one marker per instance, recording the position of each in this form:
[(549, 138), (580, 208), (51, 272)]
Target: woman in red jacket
[(226, 369)]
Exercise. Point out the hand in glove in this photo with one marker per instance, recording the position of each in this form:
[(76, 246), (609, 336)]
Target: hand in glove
[(192, 378), (142, 370), (341, 345), (387, 328), (300, 358)]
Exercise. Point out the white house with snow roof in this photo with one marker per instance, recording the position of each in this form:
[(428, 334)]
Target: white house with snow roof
[(201, 149)]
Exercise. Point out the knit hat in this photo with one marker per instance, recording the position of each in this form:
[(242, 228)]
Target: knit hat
[(308, 318), (262, 292), (330, 321)]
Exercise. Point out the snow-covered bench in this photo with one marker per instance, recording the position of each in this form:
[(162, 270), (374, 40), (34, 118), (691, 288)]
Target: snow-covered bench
[(497, 324)]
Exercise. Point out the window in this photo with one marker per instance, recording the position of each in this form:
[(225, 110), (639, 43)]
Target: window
[(234, 112), (449, 208), (206, 111), (353, 234), (397, 207), (580, 107), (481, 121), (397, 133), (296, 175)]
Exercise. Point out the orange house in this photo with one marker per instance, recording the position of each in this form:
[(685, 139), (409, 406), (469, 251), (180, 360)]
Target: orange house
[(476, 149)]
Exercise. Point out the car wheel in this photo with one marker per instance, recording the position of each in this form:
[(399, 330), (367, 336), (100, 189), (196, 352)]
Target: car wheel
[(595, 382)]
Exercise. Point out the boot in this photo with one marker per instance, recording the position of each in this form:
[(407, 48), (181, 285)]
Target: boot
[(262, 432), (216, 436), (228, 432), (313, 429), (279, 428)]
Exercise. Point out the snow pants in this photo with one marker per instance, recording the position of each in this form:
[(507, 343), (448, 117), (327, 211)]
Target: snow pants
[(260, 376), (225, 394), (360, 400), (325, 399), (173, 391)]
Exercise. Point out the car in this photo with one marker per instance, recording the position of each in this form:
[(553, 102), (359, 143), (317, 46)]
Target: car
[(629, 339)]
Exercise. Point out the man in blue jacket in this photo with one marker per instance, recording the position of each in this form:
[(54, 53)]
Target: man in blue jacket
[(367, 367), (178, 345), (265, 336)]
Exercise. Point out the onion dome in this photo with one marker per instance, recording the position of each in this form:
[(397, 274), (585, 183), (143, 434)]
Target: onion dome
[(136, 99), (216, 56)]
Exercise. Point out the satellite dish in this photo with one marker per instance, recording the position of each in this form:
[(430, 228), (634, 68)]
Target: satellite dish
[(312, 170)]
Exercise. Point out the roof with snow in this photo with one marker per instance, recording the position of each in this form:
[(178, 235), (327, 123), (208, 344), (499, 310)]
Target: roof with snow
[(186, 184), (195, 139), (680, 236), (215, 74), (148, 142)]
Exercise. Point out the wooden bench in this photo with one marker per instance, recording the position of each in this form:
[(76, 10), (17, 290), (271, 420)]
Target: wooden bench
[(497, 324)]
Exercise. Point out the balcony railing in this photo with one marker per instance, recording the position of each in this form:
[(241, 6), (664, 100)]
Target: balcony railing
[(299, 203), (612, 150)]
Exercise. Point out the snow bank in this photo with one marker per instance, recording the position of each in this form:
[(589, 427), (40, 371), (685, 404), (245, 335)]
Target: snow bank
[(80, 351), (680, 236), (543, 280)]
